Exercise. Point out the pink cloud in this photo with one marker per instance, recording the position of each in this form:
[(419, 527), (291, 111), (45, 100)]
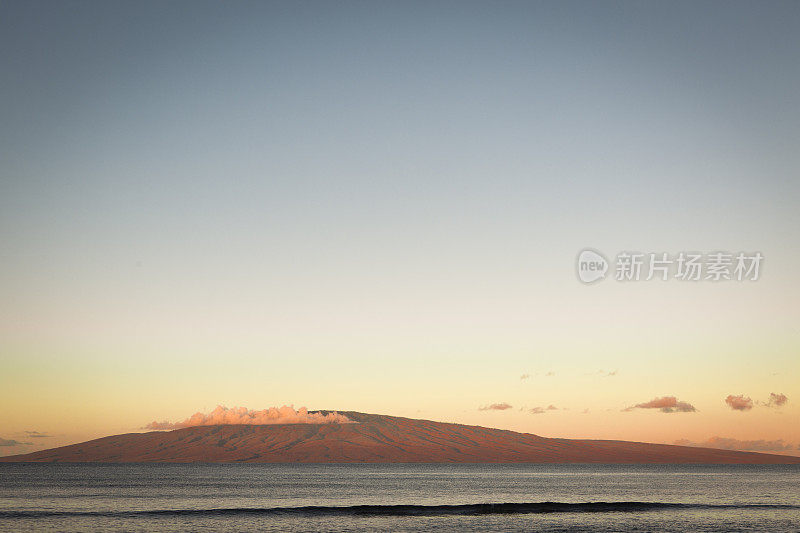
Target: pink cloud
[(665, 404), (777, 400), (725, 443), (495, 407), (739, 403), (241, 415), (542, 410)]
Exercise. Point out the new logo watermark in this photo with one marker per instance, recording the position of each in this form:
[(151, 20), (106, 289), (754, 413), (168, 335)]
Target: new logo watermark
[(592, 266)]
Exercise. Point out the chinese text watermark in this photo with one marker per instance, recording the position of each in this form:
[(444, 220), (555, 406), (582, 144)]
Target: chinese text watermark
[(682, 266)]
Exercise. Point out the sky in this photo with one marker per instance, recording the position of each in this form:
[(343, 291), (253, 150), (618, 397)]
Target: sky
[(377, 206)]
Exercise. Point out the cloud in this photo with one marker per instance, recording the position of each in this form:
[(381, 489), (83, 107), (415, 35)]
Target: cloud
[(542, 410), (495, 407), (605, 374), (739, 403), (241, 415), (745, 403), (725, 443), (37, 435), (665, 404), (11, 442), (537, 373), (777, 400)]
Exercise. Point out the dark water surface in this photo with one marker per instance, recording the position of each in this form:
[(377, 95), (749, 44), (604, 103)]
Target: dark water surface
[(240, 497)]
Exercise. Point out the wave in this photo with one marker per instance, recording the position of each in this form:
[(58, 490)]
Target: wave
[(474, 509)]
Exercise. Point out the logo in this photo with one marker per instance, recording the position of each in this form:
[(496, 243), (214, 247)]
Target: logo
[(684, 266), (591, 266)]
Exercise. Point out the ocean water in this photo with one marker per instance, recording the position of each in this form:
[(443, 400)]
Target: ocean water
[(398, 497)]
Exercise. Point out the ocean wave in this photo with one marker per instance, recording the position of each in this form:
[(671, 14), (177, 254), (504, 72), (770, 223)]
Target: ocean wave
[(473, 509)]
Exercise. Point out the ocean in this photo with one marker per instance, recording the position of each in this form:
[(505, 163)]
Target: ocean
[(398, 497)]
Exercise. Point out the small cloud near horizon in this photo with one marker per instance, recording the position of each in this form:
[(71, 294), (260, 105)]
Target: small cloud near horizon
[(777, 400), (602, 373), (495, 407), (241, 415), (665, 404), (725, 443), (528, 375), (37, 435), (542, 410), (12, 442), (739, 402)]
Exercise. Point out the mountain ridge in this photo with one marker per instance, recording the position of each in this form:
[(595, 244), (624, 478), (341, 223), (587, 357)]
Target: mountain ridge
[(374, 438)]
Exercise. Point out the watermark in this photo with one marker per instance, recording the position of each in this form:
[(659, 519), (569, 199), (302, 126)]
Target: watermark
[(592, 266)]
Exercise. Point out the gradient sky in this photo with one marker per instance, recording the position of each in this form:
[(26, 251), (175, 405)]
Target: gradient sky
[(377, 207)]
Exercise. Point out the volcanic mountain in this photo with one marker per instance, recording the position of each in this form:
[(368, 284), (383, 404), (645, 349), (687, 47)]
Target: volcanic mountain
[(375, 439)]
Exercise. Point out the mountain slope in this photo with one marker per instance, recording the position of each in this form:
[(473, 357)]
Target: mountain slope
[(376, 439)]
